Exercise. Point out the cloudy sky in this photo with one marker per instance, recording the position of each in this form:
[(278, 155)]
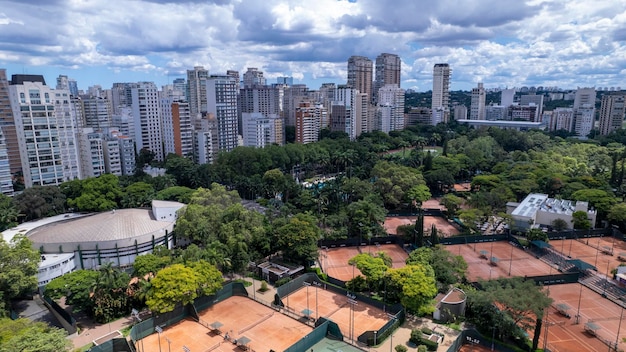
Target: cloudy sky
[(499, 42)]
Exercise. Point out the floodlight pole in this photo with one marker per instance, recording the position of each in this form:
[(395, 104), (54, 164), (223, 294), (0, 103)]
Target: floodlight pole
[(511, 262), (580, 295), (159, 330), (307, 298), (619, 327), (169, 344)]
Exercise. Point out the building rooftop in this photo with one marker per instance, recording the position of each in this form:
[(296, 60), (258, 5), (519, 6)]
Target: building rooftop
[(99, 227), (529, 206)]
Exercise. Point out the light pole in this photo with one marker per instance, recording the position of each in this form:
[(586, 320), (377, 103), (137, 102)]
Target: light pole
[(580, 295), (606, 280), (159, 330), (169, 344), (375, 332), (619, 327), (511, 262), (493, 337), (352, 303)]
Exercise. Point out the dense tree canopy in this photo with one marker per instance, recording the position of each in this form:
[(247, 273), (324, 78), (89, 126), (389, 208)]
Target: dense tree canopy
[(23, 335), (18, 269)]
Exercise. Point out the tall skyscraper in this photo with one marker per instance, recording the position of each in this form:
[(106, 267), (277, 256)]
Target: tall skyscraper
[(360, 75), (196, 93), (612, 113), (64, 82), (260, 130), (292, 98), (45, 124), (441, 93), (147, 118), (222, 93), (309, 119), (97, 113), (177, 127), (388, 68), (477, 108), (584, 118)]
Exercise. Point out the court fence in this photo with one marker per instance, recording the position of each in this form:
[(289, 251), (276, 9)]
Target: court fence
[(473, 337)]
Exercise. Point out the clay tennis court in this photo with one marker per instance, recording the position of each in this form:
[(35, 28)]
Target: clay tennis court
[(599, 251), (477, 256), (468, 347), (239, 316), (565, 335), (328, 304), (335, 260), (391, 224)]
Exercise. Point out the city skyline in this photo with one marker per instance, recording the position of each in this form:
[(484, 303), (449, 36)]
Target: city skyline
[(500, 43)]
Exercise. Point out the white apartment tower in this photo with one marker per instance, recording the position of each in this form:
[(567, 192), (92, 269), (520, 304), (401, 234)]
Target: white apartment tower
[(177, 127), (562, 119), (388, 68), (46, 131), (507, 96), (360, 75), (441, 93), (584, 96), (477, 108), (147, 118), (612, 112), (222, 93), (391, 108), (97, 112), (260, 130), (584, 118)]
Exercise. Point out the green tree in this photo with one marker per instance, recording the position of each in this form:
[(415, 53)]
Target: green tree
[(110, 294), (415, 287), (98, 194), (181, 284), (452, 204), (297, 239), (176, 193), (183, 169), (76, 287), (600, 199), (372, 267), (559, 224), (137, 195), (537, 235), (617, 215), (580, 220), (18, 268), (40, 201), (394, 181), (22, 335), (149, 263), (418, 194), (8, 213)]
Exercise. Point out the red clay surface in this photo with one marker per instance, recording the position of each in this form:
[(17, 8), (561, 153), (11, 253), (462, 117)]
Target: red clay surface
[(391, 224), (335, 307), (595, 251), (479, 267), (335, 260), (474, 348), (565, 335), (239, 316)]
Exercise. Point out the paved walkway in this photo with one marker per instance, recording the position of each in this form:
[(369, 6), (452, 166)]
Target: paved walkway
[(89, 331), (402, 335)]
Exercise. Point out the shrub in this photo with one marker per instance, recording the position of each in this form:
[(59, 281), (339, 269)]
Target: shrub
[(263, 286), (425, 330), (401, 348), (422, 348), (282, 281)]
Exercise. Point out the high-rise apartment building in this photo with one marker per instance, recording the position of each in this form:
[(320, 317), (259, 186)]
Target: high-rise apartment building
[(222, 93), (97, 112), (292, 97), (206, 139), (460, 112), (612, 113), (46, 131), (562, 119), (266, 100), (70, 84), (533, 99), (260, 130), (147, 118), (91, 145), (477, 108), (177, 127), (287, 81), (348, 113), (441, 93), (6, 179), (360, 75), (390, 108), (253, 78), (388, 68), (507, 96), (7, 124), (121, 96), (309, 119), (196, 92), (584, 118), (584, 96)]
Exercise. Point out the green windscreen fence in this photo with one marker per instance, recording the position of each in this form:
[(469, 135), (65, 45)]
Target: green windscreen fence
[(306, 342), (115, 345)]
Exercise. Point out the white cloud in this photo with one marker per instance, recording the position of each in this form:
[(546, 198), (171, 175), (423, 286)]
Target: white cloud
[(498, 42)]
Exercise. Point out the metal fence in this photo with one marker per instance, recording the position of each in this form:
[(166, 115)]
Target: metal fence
[(71, 322), (115, 345), (473, 337), (308, 341)]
